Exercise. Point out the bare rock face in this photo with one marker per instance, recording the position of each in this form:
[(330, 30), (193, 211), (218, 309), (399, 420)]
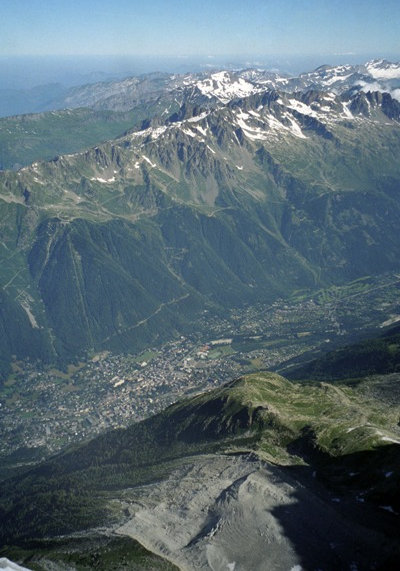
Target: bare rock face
[(224, 513)]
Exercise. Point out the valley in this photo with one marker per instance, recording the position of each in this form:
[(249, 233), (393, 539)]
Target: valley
[(43, 409)]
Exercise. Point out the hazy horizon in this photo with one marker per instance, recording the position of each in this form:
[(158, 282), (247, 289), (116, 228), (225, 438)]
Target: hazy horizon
[(28, 71)]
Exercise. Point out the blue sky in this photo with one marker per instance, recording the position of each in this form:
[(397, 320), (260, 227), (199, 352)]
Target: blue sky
[(204, 27)]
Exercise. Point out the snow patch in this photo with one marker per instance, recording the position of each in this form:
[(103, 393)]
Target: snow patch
[(149, 161), (152, 132), (237, 140), (189, 133), (295, 128), (155, 133), (382, 70), (201, 130), (254, 133), (103, 180), (301, 108), (346, 111), (198, 117), (8, 565), (225, 87), (336, 78)]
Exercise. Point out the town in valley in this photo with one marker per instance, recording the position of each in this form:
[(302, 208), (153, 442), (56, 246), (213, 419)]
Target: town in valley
[(43, 408)]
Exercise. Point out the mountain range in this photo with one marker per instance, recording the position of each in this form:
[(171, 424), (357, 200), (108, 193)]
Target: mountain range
[(231, 194), (123, 95)]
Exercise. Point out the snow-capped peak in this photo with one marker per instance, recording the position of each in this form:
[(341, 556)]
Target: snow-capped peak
[(225, 86), (381, 69)]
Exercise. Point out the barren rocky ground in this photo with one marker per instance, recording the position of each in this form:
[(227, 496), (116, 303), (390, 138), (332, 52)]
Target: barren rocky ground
[(229, 513)]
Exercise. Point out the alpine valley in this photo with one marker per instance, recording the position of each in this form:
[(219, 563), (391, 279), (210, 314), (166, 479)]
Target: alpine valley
[(221, 192)]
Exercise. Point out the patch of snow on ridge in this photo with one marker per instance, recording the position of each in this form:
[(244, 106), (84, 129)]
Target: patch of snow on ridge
[(295, 128), (336, 78), (386, 438), (153, 132), (346, 111), (198, 118), (201, 130), (103, 180), (383, 70), (250, 132), (302, 108), (189, 132), (256, 133), (225, 87)]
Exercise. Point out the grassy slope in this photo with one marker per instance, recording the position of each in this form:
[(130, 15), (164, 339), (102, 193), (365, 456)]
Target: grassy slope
[(287, 423), (329, 412)]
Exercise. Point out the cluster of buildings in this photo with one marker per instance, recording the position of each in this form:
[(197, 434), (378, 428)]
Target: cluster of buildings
[(44, 407)]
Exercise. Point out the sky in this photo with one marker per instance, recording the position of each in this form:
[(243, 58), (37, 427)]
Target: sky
[(209, 28)]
